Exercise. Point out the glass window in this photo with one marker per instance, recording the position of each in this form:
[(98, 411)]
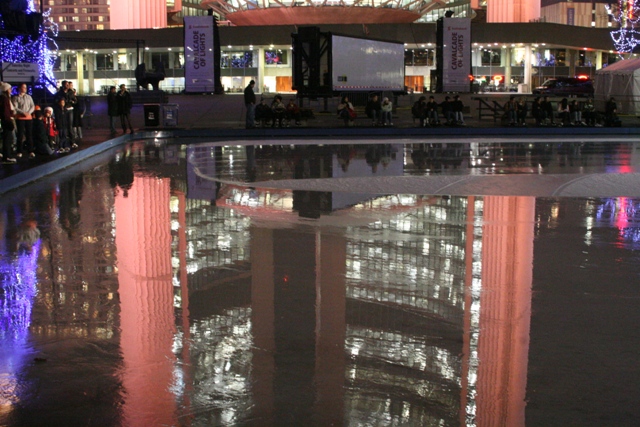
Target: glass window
[(157, 57), (275, 57), (237, 60), (104, 62), (491, 57)]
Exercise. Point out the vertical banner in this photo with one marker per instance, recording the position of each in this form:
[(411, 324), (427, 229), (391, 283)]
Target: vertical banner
[(571, 16), (198, 54), (456, 52)]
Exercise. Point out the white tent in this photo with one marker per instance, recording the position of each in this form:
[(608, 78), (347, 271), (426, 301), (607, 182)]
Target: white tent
[(620, 80)]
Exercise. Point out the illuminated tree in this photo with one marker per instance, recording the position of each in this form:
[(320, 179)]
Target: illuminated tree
[(627, 14), (26, 36)]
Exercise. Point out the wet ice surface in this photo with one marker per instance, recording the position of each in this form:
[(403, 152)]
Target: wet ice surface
[(164, 290)]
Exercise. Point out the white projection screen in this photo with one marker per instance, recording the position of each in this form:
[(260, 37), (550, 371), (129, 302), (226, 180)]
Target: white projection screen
[(365, 65)]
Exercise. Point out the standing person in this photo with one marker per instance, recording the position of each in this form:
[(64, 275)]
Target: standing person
[(50, 127), (78, 114), (7, 121), (70, 105), (64, 145), (250, 103), (124, 108), (24, 107), (112, 109)]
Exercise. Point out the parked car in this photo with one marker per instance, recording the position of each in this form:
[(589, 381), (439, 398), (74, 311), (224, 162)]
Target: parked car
[(565, 86)]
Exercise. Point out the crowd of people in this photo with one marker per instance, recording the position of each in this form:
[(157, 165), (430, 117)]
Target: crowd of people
[(565, 113), (449, 112), (277, 113), (29, 129)]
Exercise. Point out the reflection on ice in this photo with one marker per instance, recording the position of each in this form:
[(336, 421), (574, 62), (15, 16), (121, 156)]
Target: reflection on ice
[(170, 292)]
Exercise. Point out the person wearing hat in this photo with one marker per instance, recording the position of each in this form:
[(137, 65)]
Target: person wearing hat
[(7, 114), (24, 106), (50, 127)]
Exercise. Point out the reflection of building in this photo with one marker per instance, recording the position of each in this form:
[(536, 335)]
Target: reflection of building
[(415, 313)]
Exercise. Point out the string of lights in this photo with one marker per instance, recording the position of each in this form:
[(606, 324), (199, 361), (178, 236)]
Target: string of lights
[(39, 48), (627, 14)]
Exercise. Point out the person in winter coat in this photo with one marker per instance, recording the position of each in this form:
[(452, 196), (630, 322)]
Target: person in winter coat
[(112, 109), (124, 108)]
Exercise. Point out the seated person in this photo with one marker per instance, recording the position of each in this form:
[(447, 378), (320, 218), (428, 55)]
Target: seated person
[(263, 113), (346, 111), (293, 112), (40, 137), (458, 109), (419, 110), (611, 112), (432, 112), (447, 110), (373, 109), (547, 110), (563, 112), (589, 112), (278, 110), (386, 109), (575, 109), (537, 112), (523, 109)]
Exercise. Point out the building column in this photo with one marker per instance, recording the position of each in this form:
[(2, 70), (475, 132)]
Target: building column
[(80, 73), (260, 81), (91, 66), (506, 63), (527, 66), (572, 56), (598, 60)]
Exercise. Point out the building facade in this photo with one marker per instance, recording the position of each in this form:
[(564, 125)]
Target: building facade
[(503, 55)]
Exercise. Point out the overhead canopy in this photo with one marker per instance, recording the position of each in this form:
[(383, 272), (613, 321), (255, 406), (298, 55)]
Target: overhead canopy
[(620, 80)]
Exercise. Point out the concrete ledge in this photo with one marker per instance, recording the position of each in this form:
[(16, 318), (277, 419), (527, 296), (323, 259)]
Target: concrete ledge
[(36, 173)]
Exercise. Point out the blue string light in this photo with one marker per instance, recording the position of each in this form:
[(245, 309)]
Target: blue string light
[(40, 50)]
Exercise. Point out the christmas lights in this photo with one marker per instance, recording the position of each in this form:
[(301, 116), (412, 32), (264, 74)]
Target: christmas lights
[(39, 50), (627, 14)]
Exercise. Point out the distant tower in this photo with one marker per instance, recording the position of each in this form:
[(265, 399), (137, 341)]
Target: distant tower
[(513, 10)]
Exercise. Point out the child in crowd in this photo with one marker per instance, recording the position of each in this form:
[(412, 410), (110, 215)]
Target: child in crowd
[(40, 137)]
